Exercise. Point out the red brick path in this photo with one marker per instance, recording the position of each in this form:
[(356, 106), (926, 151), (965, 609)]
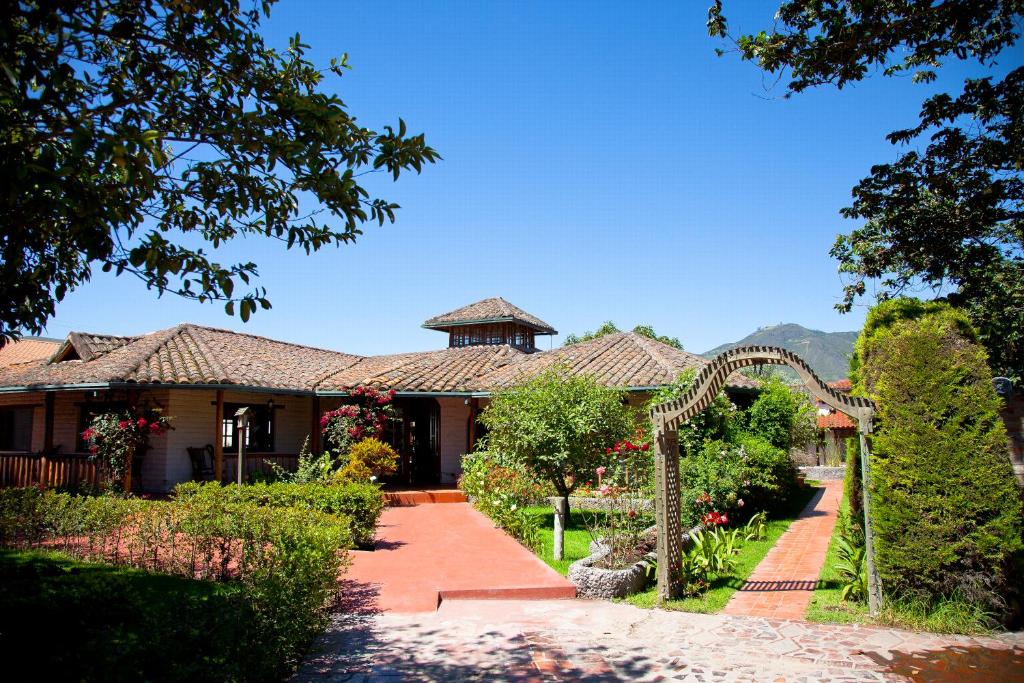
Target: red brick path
[(782, 585), (429, 553)]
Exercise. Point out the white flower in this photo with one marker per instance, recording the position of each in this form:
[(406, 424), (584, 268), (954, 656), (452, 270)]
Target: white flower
[(512, 507)]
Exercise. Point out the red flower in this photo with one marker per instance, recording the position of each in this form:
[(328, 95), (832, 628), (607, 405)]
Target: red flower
[(87, 434), (123, 424), (645, 447), (142, 422), (155, 428), (93, 449), (608, 451)]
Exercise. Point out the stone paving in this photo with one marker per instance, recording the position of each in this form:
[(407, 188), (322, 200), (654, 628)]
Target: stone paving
[(782, 585), (582, 640)]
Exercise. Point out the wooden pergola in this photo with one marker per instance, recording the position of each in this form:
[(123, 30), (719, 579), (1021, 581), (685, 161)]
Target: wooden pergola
[(667, 417)]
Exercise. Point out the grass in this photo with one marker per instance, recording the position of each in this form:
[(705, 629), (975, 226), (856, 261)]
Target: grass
[(577, 541), (64, 619), (749, 556), (945, 615)]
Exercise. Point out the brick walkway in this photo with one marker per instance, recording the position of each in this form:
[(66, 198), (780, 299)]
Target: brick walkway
[(584, 640), (443, 551), (783, 583)]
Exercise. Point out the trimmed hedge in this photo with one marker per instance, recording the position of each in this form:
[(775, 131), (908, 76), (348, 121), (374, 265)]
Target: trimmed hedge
[(360, 503), (947, 511), (284, 561)]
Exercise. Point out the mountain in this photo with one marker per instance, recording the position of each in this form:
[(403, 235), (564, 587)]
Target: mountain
[(828, 353)]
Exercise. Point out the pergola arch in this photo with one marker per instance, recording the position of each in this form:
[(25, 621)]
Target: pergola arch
[(668, 416)]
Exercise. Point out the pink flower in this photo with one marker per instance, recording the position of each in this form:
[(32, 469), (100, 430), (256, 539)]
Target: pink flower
[(604, 490), (600, 471), (740, 502)]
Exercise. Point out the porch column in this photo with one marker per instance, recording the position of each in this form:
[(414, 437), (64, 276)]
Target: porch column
[(218, 438), (314, 429), (48, 423), (474, 408)]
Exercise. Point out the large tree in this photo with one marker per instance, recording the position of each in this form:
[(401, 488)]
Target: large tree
[(139, 136), (948, 212)]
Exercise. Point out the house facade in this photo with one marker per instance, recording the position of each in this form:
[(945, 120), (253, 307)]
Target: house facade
[(199, 376)]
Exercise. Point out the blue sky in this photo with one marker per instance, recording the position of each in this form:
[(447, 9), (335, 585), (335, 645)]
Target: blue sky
[(600, 162)]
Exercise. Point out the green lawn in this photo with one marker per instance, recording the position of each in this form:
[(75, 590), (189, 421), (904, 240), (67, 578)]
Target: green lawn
[(577, 540), (69, 620), (750, 555)]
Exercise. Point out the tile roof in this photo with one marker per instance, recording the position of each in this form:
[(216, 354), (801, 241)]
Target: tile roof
[(185, 354), (193, 354), (624, 359), (836, 420), (458, 369), (27, 350), (493, 310), (843, 385)]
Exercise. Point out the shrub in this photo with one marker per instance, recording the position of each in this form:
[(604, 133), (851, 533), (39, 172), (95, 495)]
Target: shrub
[(286, 560), (502, 491), (369, 458), (360, 504), (711, 480), (947, 511), (782, 415), (769, 471), (718, 422), (364, 417)]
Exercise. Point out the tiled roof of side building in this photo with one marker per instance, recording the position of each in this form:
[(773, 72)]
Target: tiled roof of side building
[(185, 354), (836, 420), (27, 350), (490, 310), (624, 359), (843, 385)]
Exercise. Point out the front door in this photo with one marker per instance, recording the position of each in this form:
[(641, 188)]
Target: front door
[(414, 434)]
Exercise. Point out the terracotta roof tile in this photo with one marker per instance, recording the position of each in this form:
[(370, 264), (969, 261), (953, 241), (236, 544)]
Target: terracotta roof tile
[(625, 359), (27, 350), (493, 310), (843, 385), (836, 420)]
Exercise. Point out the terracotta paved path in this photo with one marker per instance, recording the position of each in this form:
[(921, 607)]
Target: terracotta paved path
[(781, 586), (429, 553), (584, 640)]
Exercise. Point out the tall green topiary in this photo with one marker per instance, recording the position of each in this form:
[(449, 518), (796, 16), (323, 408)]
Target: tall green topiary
[(946, 509)]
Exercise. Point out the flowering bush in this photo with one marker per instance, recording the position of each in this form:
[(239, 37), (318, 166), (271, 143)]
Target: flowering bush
[(502, 491), (363, 419), (114, 438), (619, 526)]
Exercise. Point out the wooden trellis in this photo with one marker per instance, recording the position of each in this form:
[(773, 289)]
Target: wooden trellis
[(667, 417)]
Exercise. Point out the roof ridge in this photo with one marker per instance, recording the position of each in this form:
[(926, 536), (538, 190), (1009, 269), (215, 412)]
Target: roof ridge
[(157, 340), (262, 338), (650, 346)]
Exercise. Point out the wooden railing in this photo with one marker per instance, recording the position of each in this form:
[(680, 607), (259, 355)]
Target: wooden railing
[(258, 462), (29, 469)]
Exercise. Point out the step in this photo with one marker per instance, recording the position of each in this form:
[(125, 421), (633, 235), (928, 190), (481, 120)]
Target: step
[(409, 498)]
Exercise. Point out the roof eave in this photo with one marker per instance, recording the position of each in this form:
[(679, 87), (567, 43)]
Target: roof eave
[(484, 321)]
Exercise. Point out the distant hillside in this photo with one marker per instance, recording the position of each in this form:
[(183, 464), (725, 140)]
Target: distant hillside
[(828, 353)]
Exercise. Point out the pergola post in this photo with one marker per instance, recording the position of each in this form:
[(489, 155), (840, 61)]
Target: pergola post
[(667, 510), (874, 582)]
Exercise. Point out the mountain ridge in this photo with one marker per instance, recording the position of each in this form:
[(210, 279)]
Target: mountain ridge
[(828, 353)]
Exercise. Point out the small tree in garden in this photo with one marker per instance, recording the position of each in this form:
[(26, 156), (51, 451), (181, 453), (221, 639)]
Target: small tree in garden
[(782, 415), (363, 419), (946, 509), (557, 425), (115, 438)]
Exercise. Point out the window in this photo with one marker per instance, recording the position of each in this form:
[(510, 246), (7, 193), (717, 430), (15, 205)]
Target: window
[(260, 436), (16, 429)]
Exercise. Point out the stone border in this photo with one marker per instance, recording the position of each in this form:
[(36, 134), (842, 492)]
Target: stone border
[(598, 503), (596, 582), (822, 473)]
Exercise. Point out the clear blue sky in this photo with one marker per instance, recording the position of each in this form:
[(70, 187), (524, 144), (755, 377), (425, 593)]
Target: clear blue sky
[(600, 162)]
